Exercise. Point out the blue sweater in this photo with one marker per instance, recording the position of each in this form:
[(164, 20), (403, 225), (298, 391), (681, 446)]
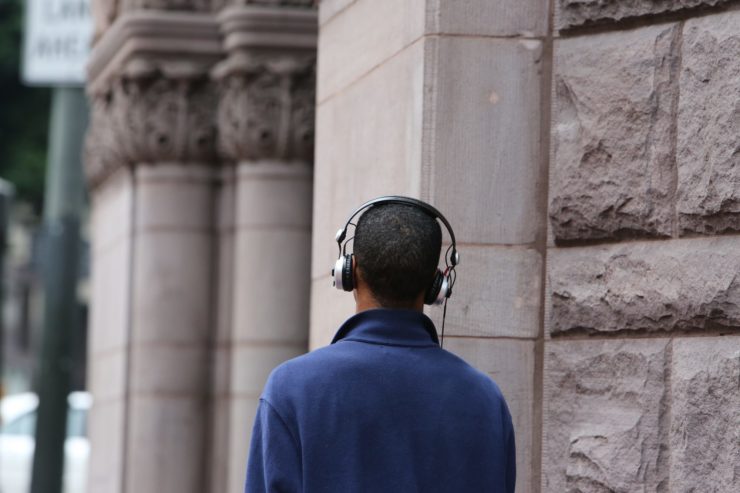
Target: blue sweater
[(382, 409)]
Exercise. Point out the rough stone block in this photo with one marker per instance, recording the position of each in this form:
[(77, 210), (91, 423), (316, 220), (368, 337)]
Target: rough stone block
[(705, 414), (486, 18), (613, 134), (356, 162), (362, 37), (572, 13), (497, 294), (511, 365), (482, 137), (708, 153), (605, 416), (647, 286)]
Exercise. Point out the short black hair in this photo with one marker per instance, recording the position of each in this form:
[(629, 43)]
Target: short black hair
[(397, 247)]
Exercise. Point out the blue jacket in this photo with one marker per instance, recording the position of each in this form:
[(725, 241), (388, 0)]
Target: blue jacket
[(382, 409)]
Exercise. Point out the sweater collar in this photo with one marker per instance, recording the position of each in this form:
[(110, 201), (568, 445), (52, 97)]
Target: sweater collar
[(389, 327)]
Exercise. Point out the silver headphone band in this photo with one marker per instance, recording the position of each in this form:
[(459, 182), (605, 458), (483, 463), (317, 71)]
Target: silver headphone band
[(399, 199)]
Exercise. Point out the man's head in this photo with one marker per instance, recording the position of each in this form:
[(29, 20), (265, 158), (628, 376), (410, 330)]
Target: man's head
[(396, 248)]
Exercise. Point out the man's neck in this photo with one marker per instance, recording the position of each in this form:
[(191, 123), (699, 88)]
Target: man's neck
[(365, 301)]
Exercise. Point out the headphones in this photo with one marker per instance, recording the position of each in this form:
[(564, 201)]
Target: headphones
[(441, 287)]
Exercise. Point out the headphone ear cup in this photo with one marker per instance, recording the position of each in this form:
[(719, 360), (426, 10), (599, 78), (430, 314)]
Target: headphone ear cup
[(348, 279), (431, 297)]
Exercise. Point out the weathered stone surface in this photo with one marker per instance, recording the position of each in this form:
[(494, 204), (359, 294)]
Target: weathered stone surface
[(651, 286), (482, 136), (705, 415), (497, 294), (708, 153), (613, 134), (363, 37), (481, 17), (605, 420), (355, 163), (571, 13)]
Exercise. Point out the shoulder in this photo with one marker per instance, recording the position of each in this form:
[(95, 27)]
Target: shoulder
[(293, 375), (473, 379)]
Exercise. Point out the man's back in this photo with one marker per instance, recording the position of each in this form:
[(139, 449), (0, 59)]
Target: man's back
[(383, 409)]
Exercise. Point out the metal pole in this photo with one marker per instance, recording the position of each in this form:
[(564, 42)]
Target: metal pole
[(6, 199), (63, 203)]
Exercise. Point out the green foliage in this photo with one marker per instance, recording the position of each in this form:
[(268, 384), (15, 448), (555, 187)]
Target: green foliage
[(24, 113)]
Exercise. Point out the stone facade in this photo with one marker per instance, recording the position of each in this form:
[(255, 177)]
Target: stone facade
[(642, 354), (587, 160), (572, 13)]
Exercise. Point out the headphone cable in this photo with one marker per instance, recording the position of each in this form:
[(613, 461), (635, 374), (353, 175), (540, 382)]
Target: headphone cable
[(444, 315)]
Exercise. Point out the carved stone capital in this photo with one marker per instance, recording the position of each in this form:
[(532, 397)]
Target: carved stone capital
[(267, 83), (270, 3), (151, 113), (180, 5), (266, 108), (152, 99)]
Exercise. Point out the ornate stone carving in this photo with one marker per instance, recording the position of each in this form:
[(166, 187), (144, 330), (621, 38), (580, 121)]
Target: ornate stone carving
[(273, 3), (182, 5), (573, 13), (151, 112), (266, 109)]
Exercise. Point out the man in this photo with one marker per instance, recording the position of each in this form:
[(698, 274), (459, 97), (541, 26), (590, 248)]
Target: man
[(384, 408)]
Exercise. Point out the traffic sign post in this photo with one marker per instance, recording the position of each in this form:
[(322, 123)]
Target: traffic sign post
[(55, 53), (57, 41)]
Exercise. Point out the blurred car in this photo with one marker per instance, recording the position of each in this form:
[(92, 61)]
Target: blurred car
[(17, 442)]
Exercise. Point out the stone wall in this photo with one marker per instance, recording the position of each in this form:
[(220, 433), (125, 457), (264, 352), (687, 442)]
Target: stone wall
[(642, 357), (586, 153)]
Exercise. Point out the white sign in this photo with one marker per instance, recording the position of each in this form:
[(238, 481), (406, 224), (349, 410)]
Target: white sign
[(57, 42)]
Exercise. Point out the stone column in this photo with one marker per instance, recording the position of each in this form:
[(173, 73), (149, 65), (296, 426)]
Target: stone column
[(265, 122), (151, 163)]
